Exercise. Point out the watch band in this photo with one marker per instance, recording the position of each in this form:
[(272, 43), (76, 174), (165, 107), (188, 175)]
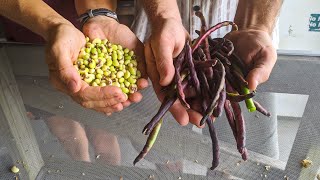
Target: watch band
[(83, 18)]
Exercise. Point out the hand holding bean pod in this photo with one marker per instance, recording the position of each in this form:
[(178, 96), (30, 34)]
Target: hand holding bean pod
[(218, 79)]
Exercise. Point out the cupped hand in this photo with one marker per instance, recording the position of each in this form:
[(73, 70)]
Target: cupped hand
[(63, 47), (107, 28), (255, 48), (165, 43)]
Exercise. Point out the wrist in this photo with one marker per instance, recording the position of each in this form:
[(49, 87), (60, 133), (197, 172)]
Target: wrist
[(51, 25), (257, 15), (254, 26), (162, 17)]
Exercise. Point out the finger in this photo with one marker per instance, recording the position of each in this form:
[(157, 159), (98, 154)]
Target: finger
[(126, 103), (141, 61), (135, 97), (151, 67), (195, 118), (93, 31), (179, 113), (109, 110), (163, 51), (101, 93), (103, 103), (262, 68), (142, 83), (62, 73)]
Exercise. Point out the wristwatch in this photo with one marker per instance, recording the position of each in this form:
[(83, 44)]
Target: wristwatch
[(83, 18)]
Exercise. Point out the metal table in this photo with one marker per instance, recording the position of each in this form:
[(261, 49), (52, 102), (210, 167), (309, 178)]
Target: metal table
[(58, 139)]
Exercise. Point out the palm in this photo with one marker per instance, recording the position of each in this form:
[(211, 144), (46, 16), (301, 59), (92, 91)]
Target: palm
[(255, 48), (106, 28)]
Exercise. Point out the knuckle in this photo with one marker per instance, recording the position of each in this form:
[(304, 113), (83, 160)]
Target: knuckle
[(84, 104), (118, 107)]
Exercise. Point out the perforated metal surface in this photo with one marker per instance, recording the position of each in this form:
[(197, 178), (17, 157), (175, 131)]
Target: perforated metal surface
[(68, 134)]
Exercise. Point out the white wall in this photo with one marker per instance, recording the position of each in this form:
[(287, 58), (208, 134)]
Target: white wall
[(297, 13)]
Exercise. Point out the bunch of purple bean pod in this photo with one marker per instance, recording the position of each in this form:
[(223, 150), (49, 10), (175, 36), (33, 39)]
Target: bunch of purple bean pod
[(209, 78)]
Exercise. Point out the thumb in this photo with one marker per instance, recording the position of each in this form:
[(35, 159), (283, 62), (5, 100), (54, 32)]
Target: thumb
[(257, 76), (164, 61), (71, 79)]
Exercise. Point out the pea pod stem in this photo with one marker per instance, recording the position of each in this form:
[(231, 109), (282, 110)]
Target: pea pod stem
[(150, 141), (244, 90), (249, 102)]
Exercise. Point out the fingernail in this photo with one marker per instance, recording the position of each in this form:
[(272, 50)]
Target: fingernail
[(126, 96), (108, 114)]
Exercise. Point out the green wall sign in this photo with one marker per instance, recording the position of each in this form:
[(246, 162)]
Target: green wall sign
[(314, 22)]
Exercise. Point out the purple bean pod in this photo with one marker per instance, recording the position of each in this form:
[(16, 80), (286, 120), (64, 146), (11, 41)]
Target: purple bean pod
[(217, 91), (230, 117), (240, 97), (215, 143), (219, 108), (193, 73), (240, 126), (166, 104), (261, 109)]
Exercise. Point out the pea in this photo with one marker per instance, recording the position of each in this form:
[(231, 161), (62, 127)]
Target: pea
[(121, 80), (131, 80), (106, 73), (92, 65), (86, 57), (96, 41), (138, 74), (114, 56), (132, 70), (87, 50), (105, 41), (94, 84), (126, 75), (116, 84), (94, 51), (82, 66), (114, 47), (127, 58), (126, 50), (109, 62), (115, 63), (126, 83), (99, 76), (120, 74), (131, 53), (99, 71), (91, 71), (112, 69), (125, 90)]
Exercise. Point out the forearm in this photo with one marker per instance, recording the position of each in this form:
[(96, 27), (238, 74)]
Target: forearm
[(257, 14), (33, 14), (161, 9), (83, 6)]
